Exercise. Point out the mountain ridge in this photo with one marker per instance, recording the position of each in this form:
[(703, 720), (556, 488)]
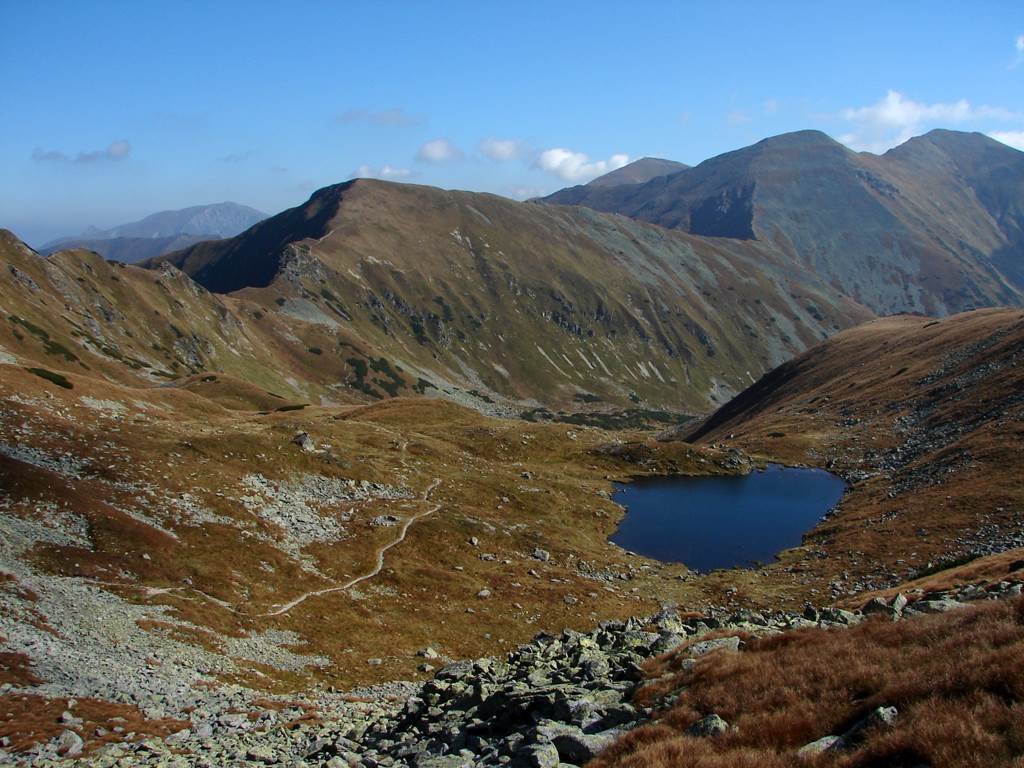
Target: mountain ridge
[(933, 226), (435, 276)]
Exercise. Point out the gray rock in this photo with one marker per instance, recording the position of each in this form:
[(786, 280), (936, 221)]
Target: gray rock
[(304, 441), (233, 720), (68, 744), (262, 754), (880, 717), (822, 745), (537, 756), (940, 605), (712, 725), (704, 647), (541, 554), (876, 605)]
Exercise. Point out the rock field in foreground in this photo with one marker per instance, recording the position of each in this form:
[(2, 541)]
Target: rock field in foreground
[(557, 700)]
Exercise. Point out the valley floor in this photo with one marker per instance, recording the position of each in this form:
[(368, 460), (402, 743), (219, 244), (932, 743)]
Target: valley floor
[(200, 558)]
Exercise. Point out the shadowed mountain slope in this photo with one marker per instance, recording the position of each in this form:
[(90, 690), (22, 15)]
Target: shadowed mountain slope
[(932, 226)]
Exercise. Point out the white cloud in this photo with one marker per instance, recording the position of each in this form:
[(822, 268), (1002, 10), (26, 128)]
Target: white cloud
[(1013, 139), (576, 166), (393, 116), (770, 106), (526, 192), (1019, 46), (895, 118), (502, 150), (1020, 43), (438, 151), (384, 172), (737, 117), (117, 150)]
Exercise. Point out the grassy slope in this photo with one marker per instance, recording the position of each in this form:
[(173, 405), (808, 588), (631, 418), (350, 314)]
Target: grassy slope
[(925, 418), (512, 485), (955, 679), (527, 301)]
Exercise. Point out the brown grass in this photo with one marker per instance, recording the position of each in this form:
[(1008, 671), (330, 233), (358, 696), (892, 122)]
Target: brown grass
[(29, 719), (957, 680), (982, 572)]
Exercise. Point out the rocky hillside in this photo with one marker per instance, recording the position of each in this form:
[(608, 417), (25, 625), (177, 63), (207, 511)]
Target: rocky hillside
[(932, 226), (524, 303)]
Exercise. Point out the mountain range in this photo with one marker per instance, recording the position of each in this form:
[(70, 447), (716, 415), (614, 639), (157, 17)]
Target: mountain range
[(162, 232), (382, 431), (371, 288), (935, 225)]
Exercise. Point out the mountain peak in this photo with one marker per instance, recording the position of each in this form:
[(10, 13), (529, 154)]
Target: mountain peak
[(806, 138), (638, 172)]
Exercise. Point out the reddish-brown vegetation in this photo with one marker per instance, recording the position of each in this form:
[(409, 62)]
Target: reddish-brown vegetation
[(28, 719), (957, 680)]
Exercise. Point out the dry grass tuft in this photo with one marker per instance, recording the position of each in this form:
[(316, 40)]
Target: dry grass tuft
[(957, 680)]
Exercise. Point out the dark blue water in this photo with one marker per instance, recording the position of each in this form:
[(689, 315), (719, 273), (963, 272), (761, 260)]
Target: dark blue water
[(724, 522)]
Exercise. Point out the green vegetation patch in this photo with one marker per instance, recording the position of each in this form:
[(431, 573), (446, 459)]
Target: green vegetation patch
[(422, 385), (51, 376), (631, 418), (52, 347)]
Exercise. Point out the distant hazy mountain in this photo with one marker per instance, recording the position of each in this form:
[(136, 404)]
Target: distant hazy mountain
[(128, 249), (162, 232), (935, 225)]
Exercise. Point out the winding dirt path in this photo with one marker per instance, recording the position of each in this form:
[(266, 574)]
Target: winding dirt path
[(402, 530)]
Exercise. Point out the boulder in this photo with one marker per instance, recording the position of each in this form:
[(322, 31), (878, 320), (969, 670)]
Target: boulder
[(536, 756), (712, 725), (69, 744), (822, 745), (939, 605), (704, 647), (876, 605), (880, 717)]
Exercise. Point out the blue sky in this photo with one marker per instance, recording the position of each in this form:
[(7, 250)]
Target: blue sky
[(113, 110)]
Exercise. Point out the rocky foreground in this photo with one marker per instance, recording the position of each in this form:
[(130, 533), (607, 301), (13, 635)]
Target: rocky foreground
[(557, 700)]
